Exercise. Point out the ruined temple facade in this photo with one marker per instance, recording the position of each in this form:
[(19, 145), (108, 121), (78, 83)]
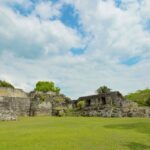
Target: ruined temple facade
[(16, 102), (99, 100), (111, 104)]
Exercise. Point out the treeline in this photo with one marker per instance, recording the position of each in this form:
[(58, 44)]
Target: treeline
[(142, 97)]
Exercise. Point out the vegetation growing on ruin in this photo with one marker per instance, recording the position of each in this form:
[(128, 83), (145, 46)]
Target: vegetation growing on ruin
[(81, 104), (42, 97), (103, 89), (80, 133), (5, 84), (46, 86), (142, 97)]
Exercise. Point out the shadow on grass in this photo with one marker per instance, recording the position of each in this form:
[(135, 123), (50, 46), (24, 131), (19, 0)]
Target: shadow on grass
[(138, 127), (137, 146)]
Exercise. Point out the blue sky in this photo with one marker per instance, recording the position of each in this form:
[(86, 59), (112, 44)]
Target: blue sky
[(118, 3), (78, 45), (131, 61), (69, 16)]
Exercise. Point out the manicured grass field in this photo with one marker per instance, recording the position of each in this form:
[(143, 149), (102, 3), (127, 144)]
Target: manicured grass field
[(75, 133)]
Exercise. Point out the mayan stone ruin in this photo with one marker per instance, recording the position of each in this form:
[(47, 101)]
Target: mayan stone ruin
[(111, 104), (16, 102)]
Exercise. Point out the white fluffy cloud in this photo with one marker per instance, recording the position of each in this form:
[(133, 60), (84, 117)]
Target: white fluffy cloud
[(46, 10), (36, 48), (29, 36)]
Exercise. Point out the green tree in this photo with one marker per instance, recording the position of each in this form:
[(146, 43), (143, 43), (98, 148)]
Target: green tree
[(5, 84), (45, 86), (140, 96), (148, 102), (103, 89)]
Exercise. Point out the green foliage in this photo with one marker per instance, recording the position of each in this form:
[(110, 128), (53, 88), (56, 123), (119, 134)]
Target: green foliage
[(5, 84), (81, 104), (148, 102), (45, 86), (141, 97), (103, 89)]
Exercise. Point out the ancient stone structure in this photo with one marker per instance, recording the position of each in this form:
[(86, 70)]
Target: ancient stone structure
[(111, 104), (15, 102)]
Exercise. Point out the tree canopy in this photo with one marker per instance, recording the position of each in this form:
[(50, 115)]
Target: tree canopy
[(142, 97), (5, 84), (148, 102), (103, 89), (45, 86)]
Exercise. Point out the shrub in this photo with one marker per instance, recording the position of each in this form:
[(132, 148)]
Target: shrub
[(81, 104), (5, 84), (103, 89)]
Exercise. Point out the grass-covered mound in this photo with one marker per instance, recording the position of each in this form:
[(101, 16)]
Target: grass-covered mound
[(5, 84), (142, 97), (80, 133)]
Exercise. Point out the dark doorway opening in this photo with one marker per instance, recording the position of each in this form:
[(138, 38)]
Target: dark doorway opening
[(88, 103), (103, 100)]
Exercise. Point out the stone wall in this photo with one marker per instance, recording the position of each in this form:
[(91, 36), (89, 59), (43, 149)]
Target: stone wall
[(11, 107), (10, 92), (41, 104)]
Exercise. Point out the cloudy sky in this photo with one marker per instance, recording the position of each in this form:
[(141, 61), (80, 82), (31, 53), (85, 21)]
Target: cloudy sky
[(78, 44)]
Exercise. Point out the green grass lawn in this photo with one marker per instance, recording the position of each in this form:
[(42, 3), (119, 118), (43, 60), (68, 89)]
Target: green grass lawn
[(75, 133)]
